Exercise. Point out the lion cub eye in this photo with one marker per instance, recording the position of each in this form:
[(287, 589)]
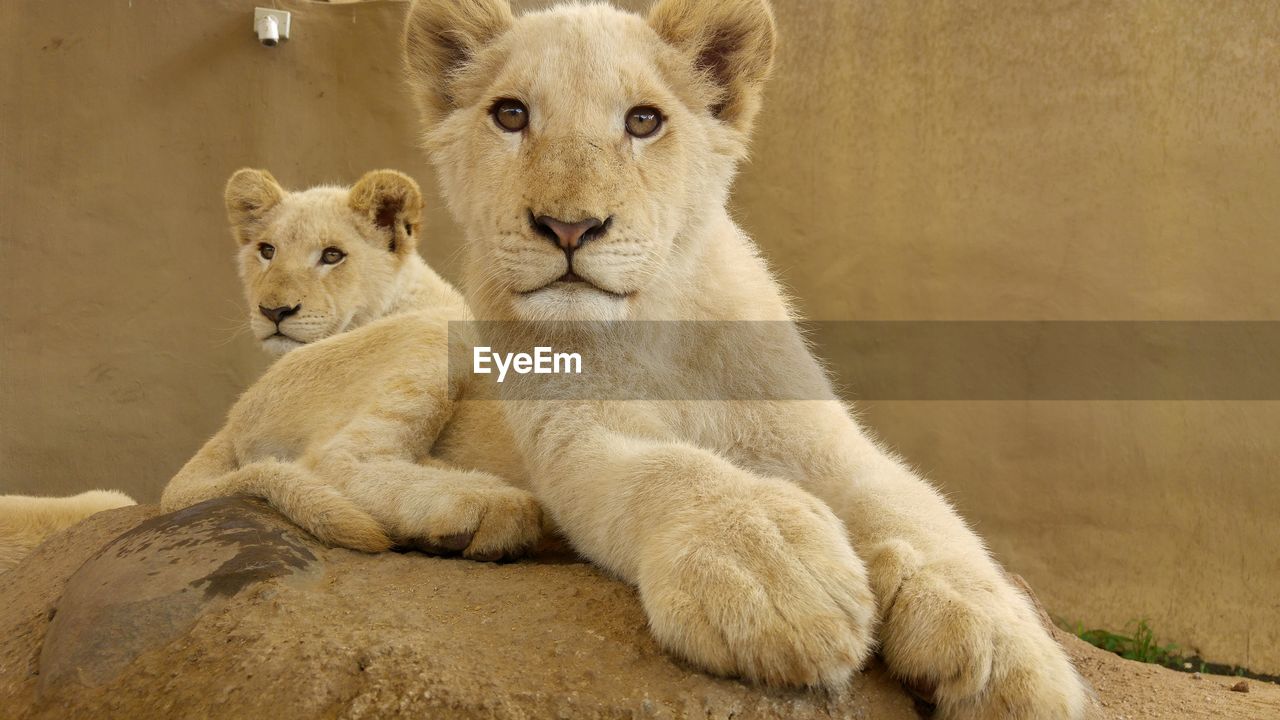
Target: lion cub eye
[(332, 256), (510, 114), (266, 251), (643, 121)]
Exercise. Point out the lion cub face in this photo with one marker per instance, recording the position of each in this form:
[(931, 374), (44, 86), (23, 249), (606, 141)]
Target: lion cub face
[(321, 261), (581, 144)]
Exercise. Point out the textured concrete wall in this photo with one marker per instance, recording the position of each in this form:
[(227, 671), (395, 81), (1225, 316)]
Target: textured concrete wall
[(941, 161)]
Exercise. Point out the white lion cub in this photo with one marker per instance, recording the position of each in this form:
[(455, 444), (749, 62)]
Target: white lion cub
[(588, 152), (352, 433)]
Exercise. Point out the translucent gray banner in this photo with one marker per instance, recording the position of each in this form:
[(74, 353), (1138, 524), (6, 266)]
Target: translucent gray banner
[(872, 360)]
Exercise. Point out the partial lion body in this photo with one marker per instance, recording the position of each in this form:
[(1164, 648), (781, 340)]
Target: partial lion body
[(26, 521)]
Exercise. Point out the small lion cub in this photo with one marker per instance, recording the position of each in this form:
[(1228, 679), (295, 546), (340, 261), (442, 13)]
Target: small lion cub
[(340, 433)]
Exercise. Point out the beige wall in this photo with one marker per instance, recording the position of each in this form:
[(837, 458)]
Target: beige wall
[(957, 160)]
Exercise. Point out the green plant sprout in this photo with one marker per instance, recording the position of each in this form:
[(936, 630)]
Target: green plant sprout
[(1138, 642)]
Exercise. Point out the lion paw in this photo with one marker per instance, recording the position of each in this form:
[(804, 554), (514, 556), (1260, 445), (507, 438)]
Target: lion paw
[(762, 585), (334, 519), (974, 644), (483, 523)]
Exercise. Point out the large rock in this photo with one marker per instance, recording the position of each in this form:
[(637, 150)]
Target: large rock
[(225, 610)]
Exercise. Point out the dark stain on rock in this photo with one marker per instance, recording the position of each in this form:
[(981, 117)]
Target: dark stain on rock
[(132, 597), (271, 553), (236, 520), (265, 547)]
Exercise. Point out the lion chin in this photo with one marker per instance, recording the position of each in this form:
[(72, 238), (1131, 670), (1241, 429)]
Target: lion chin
[(578, 300), (277, 345)]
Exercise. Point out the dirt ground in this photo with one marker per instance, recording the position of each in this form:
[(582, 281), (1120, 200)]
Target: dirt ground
[(226, 611)]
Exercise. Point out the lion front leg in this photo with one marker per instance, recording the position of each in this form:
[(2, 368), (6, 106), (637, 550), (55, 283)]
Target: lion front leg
[(380, 460), (739, 574), (951, 623), (287, 486), (437, 508)]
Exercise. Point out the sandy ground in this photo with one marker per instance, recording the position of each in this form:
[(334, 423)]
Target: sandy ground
[(228, 612)]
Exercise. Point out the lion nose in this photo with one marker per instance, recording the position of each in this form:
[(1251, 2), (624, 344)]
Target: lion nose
[(276, 314), (569, 235)]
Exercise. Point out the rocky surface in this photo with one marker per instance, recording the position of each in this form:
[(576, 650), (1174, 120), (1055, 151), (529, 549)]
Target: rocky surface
[(227, 611)]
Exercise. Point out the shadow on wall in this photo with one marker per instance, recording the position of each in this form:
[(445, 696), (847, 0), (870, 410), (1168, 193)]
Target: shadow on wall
[(950, 161)]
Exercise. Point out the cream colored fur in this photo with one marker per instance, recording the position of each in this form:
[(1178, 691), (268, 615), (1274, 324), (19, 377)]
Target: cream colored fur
[(26, 521), (352, 436), (772, 540)]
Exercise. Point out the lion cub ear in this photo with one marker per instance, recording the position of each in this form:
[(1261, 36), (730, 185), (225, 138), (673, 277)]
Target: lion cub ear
[(391, 201), (731, 42), (441, 37), (250, 194)]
